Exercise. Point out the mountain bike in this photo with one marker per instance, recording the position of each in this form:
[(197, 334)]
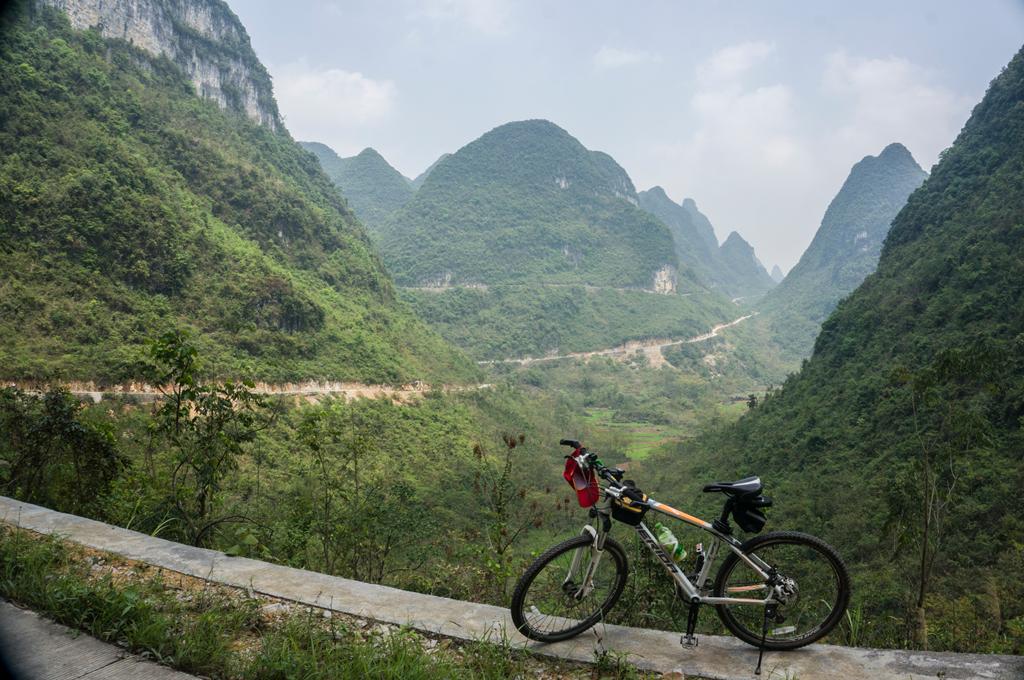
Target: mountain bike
[(776, 591)]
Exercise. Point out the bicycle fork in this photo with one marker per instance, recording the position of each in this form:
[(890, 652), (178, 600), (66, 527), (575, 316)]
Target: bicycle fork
[(596, 550)]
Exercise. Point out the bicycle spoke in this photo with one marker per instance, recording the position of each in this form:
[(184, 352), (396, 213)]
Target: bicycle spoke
[(552, 602), (818, 591)]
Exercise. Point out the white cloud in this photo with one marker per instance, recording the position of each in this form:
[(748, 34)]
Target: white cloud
[(322, 104), (614, 57), (745, 129), (746, 156), (747, 162), (754, 127), (729, 63), (892, 99), (490, 17), (764, 158)]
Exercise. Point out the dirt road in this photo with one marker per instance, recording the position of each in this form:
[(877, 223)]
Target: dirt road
[(310, 390), (652, 348)]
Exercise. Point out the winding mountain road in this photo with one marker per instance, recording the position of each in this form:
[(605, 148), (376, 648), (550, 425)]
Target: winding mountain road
[(313, 390), (310, 390), (652, 348), (589, 288)]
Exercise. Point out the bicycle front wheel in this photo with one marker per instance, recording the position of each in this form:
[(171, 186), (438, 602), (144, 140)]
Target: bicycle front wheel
[(552, 603), (817, 578)]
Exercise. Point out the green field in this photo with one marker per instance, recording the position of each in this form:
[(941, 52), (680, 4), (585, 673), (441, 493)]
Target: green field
[(636, 439), (733, 409)]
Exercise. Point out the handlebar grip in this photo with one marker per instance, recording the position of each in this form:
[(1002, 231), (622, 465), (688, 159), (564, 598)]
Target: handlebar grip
[(569, 442)]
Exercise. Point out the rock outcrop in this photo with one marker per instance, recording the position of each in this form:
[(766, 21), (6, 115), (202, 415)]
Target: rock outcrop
[(203, 37)]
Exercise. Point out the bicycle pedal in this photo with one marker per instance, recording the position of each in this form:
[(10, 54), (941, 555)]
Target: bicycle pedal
[(688, 641)]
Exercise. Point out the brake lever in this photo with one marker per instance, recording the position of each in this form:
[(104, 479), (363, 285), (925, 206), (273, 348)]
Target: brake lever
[(614, 477)]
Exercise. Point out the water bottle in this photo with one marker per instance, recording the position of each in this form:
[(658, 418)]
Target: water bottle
[(669, 542)]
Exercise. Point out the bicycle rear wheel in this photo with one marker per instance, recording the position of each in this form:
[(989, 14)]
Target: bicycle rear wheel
[(822, 590), (547, 605)]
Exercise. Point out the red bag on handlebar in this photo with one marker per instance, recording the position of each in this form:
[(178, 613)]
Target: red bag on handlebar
[(583, 481)]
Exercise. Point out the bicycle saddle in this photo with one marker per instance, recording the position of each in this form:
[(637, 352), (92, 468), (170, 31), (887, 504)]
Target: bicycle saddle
[(741, 487)]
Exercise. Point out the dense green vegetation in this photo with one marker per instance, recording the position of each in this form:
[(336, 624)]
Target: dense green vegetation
[(738, 359), (844, 250), (526, 202), (731, 268), (359, 489), (130, 205), (373, 188), (626, 409), (531, 320), (900, 440)]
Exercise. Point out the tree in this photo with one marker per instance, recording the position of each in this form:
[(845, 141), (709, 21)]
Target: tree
[(50, 455), (207, 426), (506, 513), (946, 431), (368, 525)]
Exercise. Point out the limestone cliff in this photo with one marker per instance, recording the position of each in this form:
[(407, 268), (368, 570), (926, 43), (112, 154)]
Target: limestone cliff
[(203, 37)]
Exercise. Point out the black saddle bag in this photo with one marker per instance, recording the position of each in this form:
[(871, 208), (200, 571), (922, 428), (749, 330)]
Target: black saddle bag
[(747, 512)]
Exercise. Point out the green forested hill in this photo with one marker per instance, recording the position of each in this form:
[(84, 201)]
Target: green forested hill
[(525, 242), (695, 242), (900, 440), (732, 268), (373, 188), (700, 222), (418, 181), (129, 205), (741, 271), (845, 248), (526, 202)]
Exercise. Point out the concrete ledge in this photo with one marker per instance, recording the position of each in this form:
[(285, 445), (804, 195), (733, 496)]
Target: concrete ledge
[(719, 658)]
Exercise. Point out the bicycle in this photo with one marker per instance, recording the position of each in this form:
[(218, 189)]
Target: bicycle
[(772, 579)]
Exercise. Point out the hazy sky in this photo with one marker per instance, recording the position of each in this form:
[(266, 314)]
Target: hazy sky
[(756, 110)]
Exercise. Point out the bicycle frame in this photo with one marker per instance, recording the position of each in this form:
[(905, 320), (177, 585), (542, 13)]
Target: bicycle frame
[(692, 590)]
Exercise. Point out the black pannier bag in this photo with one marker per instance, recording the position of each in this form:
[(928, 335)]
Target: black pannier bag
[(747, 513), (631, 508)]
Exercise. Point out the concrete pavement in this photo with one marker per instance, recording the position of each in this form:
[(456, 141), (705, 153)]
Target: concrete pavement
[(37, 649)]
